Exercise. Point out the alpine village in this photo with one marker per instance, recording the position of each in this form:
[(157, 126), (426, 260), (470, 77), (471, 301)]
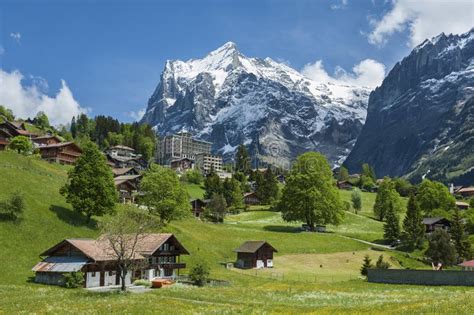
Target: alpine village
[(247, 187)]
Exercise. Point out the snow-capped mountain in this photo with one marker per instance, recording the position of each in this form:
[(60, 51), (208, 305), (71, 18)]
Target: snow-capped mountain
[(229, 99), (421, 119)]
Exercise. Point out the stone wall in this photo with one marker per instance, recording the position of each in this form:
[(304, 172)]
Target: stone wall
[(424, 277)]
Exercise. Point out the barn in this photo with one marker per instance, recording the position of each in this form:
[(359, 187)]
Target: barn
[(255, 254)]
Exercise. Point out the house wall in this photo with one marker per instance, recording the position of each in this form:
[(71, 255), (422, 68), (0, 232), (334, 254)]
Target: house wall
[(54, 278), (422, 277)]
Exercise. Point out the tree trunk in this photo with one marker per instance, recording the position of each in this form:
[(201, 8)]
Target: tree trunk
[(123, 275)]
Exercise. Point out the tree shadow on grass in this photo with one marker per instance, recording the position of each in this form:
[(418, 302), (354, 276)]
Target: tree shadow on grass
[(71, 217), (282, 228)]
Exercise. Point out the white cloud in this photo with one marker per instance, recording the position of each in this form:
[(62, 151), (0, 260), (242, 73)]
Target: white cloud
[(368, 73), (136, 116), (342, 4), (2, 50), (27, 101), (424, 19), (16, 36)]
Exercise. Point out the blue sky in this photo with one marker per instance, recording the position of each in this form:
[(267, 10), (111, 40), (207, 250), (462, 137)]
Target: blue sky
[(111, 53)]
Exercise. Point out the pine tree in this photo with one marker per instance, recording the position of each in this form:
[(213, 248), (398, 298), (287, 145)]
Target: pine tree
[(267, 186), (381, 264), (73, 128), (242, 160), (90, 187), (212, 184), (459, 236), (414, 230), (367, 264), (391, 228)]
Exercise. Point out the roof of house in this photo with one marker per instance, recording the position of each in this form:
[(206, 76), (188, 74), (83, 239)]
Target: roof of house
[(47, 137), (125, 178), (122, 147), (468, 263), (121, 171), (60, 264), (101, 250), (466, 189), (61, 144), (462, 204), (252, 246), (249, 194), (430, 221)]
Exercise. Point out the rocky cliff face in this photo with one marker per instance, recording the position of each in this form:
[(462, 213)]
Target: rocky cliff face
[(229, 99), (420, 121)]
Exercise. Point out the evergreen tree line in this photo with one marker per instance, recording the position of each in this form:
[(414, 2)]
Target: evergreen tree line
[(107, 131)]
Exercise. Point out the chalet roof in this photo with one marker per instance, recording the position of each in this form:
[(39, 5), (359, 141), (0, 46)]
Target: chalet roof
[(249, 194), (468, 263), (121, 171), (60, 264), (466, 189), (122, 147), (252, 246), (61, 144), (101, 250), (47, 137), (462, 204), (430, 221)]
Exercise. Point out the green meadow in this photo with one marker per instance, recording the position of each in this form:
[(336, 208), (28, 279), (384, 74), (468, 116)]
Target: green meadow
[(313, 273)]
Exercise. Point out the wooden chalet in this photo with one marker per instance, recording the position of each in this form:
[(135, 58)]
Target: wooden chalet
[(125, 162), (198, 205), (255, 254), (63, 152), (182, 165), (4, 139), (251, 199), (432, 224), (344, 184), (16, 128), (127, 187), (156, 255), (46, 140), (466, 192), (462, 205)]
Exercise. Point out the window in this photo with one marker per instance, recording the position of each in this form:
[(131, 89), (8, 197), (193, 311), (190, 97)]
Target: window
[(93, 274), (166, 247), (111, 273)]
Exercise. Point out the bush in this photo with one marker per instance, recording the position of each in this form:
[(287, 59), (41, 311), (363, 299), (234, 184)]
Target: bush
[(73, 280), (12, 208), (142, 282), (366, 265), (199, 274), (381, 264)]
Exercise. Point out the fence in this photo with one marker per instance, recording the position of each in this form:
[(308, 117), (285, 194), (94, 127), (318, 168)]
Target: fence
[(425, 277)]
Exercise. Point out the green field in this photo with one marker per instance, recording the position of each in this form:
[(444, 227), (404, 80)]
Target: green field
[(314, 272)]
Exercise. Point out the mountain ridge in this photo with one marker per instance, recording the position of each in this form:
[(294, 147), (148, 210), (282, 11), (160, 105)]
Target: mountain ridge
[(229, 99)]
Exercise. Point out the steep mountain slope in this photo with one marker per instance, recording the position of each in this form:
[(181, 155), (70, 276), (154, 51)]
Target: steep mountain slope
[(421, 119), (229, 99)]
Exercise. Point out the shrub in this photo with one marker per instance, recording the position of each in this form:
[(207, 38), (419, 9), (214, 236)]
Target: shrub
[(142, 282), (12, 208), (381, 264), (73, 280), (366, 265), (199, 274)]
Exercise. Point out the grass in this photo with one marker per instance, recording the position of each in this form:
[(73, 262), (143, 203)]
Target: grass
[(298, 283), (195, 191)]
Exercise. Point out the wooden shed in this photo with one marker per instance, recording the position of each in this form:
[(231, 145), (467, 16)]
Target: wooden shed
[(255, 254)]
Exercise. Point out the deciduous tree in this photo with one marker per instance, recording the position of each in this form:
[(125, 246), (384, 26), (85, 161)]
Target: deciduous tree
[(440, 249), (21, 144), (356, 199), (90, 186), (387, 198), (434, 195), (310, 194), (459, 236), (163, 194)]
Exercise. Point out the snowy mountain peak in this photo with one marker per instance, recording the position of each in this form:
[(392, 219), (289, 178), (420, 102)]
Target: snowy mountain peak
[(229, 99)]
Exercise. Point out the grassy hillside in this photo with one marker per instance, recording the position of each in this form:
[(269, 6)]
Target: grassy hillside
[(313, 272)]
